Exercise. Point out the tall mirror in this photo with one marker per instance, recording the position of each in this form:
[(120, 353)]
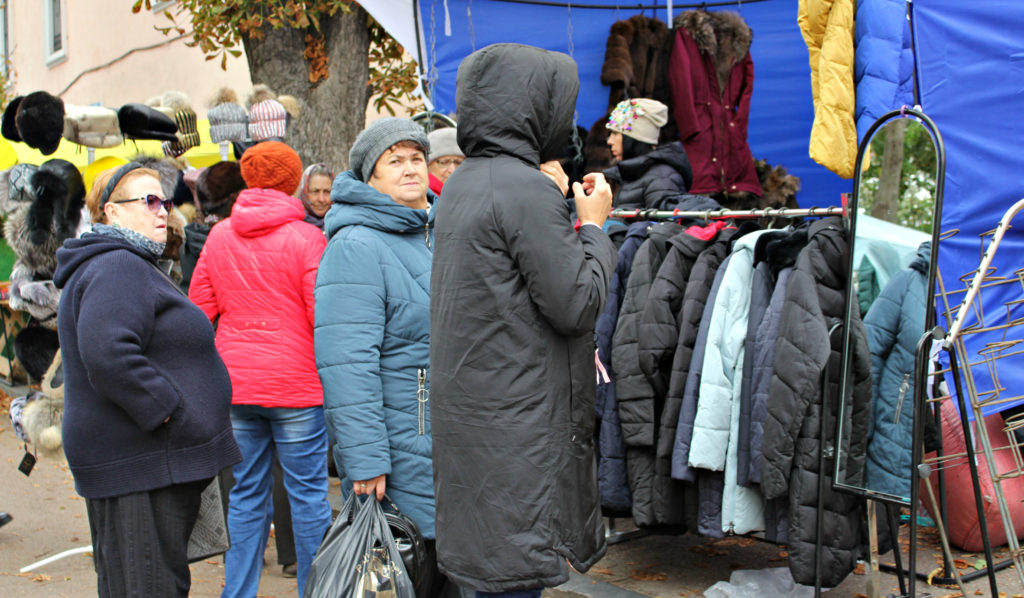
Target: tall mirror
[(894, 226)]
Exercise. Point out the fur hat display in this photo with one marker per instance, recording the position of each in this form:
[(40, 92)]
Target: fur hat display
[(443, 143), (19, 183), (217, 188), (39, 298), (378, 137), (272, 165), (92, 126), (35, 347), (185, 118), (36, 230), (168, 172), (290, 104), (640, 118), (9, 129), (138, 121), (228, 120), (40, 121)]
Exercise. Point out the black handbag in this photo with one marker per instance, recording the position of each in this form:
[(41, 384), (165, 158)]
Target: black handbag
[(410, 542)]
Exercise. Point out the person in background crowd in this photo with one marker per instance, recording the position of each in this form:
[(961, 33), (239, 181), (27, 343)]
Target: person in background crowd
[(516, 293), (217, 187), (255, 278), (141, 371), (315, 193), (445, 156), (373, 324), (651, 176)]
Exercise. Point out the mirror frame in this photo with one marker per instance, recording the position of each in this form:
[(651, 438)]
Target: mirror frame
[(846, 384)]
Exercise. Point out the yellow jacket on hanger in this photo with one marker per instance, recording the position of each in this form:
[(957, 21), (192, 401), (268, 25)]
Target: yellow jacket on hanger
[(827, 28)]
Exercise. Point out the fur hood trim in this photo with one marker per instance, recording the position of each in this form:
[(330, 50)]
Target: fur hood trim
[(722, 34)]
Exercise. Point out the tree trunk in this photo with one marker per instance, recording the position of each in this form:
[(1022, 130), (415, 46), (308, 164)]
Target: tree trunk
[(887, 198), (333, 109)]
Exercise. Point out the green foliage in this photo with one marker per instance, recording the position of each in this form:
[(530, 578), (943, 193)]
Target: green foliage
[(219, 26), (917, 180)]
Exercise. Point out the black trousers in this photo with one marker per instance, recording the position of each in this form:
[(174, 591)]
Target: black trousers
[(140, 541)]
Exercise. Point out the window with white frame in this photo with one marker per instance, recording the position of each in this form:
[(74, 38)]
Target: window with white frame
[(55, 33)]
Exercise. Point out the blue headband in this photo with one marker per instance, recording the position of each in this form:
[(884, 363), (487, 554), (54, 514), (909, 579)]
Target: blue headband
[(114, 180)]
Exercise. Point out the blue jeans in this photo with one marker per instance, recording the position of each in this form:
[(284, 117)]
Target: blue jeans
[(299, 437)]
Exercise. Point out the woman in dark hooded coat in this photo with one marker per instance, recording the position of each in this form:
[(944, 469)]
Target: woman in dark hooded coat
[(515, 295)]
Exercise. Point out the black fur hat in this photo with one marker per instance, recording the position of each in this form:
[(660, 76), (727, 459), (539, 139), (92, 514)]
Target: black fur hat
[(217, 188), (40, 121), (9, 129), (70, 207), (139, 121), (35, 347)]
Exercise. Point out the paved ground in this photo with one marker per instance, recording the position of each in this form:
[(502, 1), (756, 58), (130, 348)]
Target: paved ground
[(49, 517)]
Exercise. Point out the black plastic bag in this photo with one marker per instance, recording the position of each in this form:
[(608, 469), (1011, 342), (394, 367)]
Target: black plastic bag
[(358, 557)]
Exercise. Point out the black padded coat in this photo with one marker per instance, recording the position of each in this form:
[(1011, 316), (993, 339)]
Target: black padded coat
[(814, 301), (515, 294)]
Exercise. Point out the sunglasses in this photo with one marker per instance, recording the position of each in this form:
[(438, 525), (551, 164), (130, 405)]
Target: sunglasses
[(153, 202)]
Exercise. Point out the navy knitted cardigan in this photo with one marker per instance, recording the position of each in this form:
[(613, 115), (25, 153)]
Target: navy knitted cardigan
[(136, 352)]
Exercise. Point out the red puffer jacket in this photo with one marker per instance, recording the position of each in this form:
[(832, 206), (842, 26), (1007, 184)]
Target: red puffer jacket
[(255, 280)]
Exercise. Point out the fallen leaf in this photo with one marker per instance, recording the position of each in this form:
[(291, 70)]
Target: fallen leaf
[(961, 564), (980, 564), (603, 571), (859, 569), (641, 575), (41, 577)]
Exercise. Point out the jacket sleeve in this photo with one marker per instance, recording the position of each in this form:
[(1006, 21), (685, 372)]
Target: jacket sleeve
[(659, 328), (801, 352), (120, 320), (350, 317), (680, 81), (314, 250), (567, 274), (200, 290)]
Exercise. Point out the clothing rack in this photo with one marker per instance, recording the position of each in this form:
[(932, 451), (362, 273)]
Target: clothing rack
[(649, 214)]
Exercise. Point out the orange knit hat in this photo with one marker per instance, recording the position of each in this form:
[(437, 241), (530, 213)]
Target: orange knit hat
[(272, 165)]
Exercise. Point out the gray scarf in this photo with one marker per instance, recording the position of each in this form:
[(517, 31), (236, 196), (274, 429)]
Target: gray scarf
[(138, 240)]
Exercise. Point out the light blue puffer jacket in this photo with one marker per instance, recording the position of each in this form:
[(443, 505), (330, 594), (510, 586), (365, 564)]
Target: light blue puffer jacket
[(372, 340)]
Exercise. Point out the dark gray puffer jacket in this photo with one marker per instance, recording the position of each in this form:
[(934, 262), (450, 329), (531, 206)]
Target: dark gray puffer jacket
[(653, 180), (814, 301)]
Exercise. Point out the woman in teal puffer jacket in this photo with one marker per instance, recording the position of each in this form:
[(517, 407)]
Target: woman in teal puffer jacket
[(373, 320)]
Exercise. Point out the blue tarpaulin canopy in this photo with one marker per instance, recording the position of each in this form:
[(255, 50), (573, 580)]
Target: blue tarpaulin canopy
[(969, 58)]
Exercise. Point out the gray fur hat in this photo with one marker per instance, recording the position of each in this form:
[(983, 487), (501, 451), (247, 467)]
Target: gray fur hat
[(378, 137), (443, 143)]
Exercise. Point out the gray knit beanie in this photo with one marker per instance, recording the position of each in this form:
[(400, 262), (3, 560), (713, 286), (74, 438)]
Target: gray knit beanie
[(377, 138), (443, 143)]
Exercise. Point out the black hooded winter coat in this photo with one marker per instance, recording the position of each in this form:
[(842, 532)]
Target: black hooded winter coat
[(515, 294)]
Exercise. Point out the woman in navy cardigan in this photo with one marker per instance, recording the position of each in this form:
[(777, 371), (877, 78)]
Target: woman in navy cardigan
[(146, 424)]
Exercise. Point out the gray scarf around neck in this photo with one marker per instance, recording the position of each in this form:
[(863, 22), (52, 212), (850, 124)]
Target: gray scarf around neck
[(138, 240)]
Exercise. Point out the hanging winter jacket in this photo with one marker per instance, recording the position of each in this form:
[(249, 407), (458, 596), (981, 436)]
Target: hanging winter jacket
[(827, 28), (632, 390), (611, 466), (713, 444), (654, 501), (712, 80), (773, 252), (515, 295), (894, 327), (652, 180), (815, 299), (659, 327)]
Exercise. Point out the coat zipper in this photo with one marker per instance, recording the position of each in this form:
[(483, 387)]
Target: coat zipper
[(904, 387), (426, 233), (422, 396)]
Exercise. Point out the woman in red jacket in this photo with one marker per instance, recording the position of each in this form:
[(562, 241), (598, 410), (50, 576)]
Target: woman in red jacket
[(255, 280)]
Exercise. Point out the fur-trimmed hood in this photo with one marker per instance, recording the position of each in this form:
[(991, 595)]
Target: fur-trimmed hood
[(722, 34)]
